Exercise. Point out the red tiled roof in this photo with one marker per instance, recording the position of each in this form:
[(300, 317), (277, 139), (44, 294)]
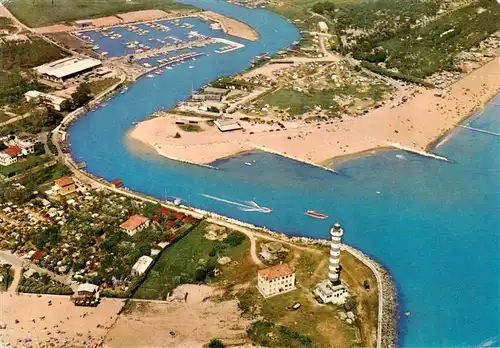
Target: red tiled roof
[(133, 222), (171, 223), (117, 183), (191, 219), (64, 181), (276, 271), (156, 218), (179, 215), (164, 211), (12, 151), (37, 255)]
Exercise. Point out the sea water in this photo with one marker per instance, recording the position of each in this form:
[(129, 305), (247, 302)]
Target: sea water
[(433, 224)]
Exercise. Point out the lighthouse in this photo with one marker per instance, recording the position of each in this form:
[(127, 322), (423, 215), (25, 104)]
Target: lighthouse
[(336, 233), (332, 290)]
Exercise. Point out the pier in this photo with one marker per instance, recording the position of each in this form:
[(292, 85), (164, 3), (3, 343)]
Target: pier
[(418, 152), (479, 130)]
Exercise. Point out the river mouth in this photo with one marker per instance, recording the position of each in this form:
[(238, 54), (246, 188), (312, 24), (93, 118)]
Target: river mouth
[(423, 219)]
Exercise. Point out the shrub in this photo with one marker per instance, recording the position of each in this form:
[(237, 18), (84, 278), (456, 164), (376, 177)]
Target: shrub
[(234, 238), (215, 343)]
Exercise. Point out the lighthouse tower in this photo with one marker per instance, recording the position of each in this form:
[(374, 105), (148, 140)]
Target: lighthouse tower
[(334, 268), (332, 290)]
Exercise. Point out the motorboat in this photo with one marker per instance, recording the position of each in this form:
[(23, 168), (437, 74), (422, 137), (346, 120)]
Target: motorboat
[(315, 214)]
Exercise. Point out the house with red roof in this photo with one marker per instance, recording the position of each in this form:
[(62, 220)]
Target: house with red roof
[(10, 155), (65, 185), (134, 224)]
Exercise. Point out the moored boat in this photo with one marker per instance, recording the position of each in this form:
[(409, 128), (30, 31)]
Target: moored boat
[(316, 215)]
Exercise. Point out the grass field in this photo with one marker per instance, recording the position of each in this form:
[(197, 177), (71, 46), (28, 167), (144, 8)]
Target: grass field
[(190, 128), (99, 86), (298, 103), (22, 165), (37, 13), (181, 263), (317, 322)]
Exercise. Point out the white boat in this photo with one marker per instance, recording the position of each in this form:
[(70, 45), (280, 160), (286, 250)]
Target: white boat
[(150, 75), (177, 201), (248, 163), (191, 66)]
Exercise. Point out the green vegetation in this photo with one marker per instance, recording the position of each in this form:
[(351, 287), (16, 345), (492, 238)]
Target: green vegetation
[(22, 165), (298, 103), (99, 86), (42, 284), (41, 119), (190, 260), (190, 128), (391, 32), (270, 335), (216, 343), (7, 274), (45, 12), (395, 75), (28, 54)]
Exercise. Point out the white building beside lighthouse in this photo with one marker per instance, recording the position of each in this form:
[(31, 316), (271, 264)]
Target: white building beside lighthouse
[(332, 290)]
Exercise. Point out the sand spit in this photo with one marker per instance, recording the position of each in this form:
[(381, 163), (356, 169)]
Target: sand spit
[(232, 26), (422, 119)]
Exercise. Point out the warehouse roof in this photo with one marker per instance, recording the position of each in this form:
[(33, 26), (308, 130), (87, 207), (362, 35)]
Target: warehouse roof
[(67, 66)]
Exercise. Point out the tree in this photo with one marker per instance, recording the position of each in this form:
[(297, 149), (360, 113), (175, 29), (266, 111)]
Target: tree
[(82, 95), (215, 343)]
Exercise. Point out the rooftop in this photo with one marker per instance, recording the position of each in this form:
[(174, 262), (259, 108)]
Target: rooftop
[(12, 151), (227, 124), (133, 222), (277, 271), (67, 66), (87, 288), (64, 181)]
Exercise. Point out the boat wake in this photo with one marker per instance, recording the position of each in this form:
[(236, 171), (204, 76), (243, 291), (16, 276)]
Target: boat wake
[(250, 206)]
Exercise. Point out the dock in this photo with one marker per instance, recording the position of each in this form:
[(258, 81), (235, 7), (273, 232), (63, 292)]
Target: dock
[(418, 152), (479, 130)]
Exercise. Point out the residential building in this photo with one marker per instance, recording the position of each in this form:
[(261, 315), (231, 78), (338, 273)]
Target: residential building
[(34, 138), (142, 265), (332, 290), (65, 185), (46, 98), (323, 27), (134, 224), (204, 96), (27, 147), (10, 155), (276, 280), (63, 69)]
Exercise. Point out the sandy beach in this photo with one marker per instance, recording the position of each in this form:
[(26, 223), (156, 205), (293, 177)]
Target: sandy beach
[(60, 324), (179, 324), (422, 119), (232, 26)]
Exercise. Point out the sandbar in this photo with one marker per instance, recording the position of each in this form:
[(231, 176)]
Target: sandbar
[(419, 121)]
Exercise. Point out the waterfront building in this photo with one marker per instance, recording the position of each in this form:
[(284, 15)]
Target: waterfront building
[(213, 90), (134, 224), (63, 69), (227, 124), (332, 290), (24, 136), (46, 98), (142, 265), (276, 280), (84, 23), (65, 185)]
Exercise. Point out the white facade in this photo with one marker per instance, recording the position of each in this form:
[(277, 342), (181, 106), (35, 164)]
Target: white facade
[(49, 99), (142, 264), (6, 160), (27, 147), (332, 290), (276, 280)]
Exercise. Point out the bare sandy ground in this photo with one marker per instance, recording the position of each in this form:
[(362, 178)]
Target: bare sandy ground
[(232, 26), (179, 324), (416, 123), (145, 15), (58, 28), (64, 323)]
